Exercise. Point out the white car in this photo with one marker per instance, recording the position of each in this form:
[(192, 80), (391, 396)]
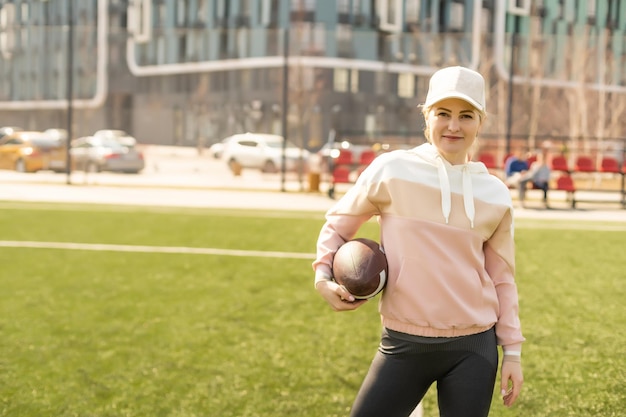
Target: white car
[(217, 149), (119, 136), (263, 151)]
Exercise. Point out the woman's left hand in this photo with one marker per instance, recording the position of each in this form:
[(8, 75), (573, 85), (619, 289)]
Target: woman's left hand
[(511, 372), (337, 296)]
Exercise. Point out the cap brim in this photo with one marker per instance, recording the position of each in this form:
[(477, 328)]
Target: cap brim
[(464, 97)]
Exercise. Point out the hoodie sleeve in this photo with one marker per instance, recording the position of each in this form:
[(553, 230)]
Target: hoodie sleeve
[(500, 264), (344, 219)]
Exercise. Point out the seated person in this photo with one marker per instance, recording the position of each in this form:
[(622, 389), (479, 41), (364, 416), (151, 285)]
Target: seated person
[(538, 174), (514, 167)]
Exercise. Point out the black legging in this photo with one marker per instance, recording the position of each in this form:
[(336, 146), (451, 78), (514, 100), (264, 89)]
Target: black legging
[(403, 369)]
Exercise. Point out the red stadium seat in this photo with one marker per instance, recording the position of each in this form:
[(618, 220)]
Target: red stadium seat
[(610, 164), (559, 163), (341, 175), (584, 164), (488, 159), (565, 183), (344, 157), (367, 156)]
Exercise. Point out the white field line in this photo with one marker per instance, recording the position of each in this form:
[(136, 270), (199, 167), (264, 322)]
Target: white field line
[(153, 249)]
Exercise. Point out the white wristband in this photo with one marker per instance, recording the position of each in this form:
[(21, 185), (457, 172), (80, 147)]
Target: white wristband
[(513, 353)]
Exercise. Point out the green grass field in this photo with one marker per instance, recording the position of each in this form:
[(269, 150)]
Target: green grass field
[(112, 333)]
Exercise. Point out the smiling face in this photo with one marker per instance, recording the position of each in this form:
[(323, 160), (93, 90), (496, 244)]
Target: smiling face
[(452, 126)]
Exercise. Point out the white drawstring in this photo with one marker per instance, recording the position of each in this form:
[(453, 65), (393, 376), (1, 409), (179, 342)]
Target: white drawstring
[(444, 184), (446, 198), (468, 195)]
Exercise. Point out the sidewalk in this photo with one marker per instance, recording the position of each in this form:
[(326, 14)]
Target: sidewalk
[(263, 199), (179, 177)]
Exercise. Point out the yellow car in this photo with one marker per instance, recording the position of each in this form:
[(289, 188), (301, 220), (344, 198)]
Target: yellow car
[(28, 151)]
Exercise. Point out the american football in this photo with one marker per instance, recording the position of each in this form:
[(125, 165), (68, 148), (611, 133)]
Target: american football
[(360, 265)]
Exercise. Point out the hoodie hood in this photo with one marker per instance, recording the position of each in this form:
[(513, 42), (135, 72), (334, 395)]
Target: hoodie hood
[(428, 153)]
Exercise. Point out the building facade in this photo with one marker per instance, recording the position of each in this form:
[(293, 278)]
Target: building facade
[(190, 72)]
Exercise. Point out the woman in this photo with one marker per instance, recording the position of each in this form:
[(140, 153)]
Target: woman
[(447, 229)]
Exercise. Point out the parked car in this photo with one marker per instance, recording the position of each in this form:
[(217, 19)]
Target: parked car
[(28, 151), (118, 135), (56, 133), (95, 154), (263, 151), (7, 130), (217, 149), (57, 159)]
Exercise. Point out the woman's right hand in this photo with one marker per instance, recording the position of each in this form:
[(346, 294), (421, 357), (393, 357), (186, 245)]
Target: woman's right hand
[(337, 296)]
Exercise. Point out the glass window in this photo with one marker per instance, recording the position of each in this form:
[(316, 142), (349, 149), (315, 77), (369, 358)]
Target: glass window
[(302, 79), (160, 15), (356, 6), (340, 80), (367, 81), (381, 83), (457, 12), (221, 9), (344, 33), (311, 35), (302, 5), (344, 40), (406, 85), (24, 12), (244, 7), (390, 13), (354, 80), (7, 37), (412, 10), (264, 11), (245, 79), (591, 8), (181, 8), (343, 6), (201, 11)]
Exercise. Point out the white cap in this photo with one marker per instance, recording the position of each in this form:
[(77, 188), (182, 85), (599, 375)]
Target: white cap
[(457, 82)]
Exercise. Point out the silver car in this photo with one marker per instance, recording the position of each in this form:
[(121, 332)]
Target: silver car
[(263, 151), (95, 154)]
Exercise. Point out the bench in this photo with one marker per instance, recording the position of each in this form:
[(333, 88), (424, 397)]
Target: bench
[(569, 179), (585, 169)]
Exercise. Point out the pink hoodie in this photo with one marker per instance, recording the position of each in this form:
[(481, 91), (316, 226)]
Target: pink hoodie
[(447, 231)]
